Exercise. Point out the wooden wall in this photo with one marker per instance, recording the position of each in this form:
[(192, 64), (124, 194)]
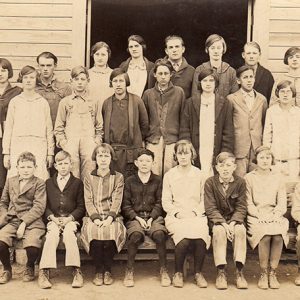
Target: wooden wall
[(28, 27), (276, 28)]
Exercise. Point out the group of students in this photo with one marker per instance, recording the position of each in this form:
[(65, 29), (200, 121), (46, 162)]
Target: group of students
[(224, 157)]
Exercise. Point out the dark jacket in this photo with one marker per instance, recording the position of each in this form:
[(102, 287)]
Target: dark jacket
[(68, 202), (183, 78), (164, 112), (226, 207), (189, 127), (142, 199)]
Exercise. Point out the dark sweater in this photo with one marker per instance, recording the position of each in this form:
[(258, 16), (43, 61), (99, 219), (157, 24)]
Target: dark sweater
[(139, 197), (68, 202)]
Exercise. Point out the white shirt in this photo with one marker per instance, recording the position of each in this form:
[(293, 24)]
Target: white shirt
[(62, 181), (249, 98), (138, 78)]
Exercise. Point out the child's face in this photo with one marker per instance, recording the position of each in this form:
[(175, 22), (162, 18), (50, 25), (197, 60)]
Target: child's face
[(184, 158), (294, 61), (251, 55), (101, 57), (119, 84), (208, 84), (29, 81), (135, 49), (175, 49), (103, 159), (286, 96), (144, 163), (46, 67), (3, 75), (163, 76), (80, 83), (26, 169), (63, 167), (246, 80), (226, 168), (215, 51), (264, 160)]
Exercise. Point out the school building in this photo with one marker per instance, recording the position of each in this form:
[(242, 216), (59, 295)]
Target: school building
[(68, 28)]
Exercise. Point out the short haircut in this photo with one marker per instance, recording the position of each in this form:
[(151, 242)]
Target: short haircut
[(223, 156), (289, 52), (253, 44), (243, 69), (182, 146), (116, 72), (25, 71), (47, 54), (107, 148), (5, 64), (100, 45), (144, 151), (62, 155), (163, 62), (261, 149), (207, 72), (215, 38), (26, 156), (173, 37), (284, 84), (139, 39), (76, 71)]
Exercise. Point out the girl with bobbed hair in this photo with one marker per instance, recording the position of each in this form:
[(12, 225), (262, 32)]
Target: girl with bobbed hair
[(267, 226), (182, 199), (137, 65), (215, 47)]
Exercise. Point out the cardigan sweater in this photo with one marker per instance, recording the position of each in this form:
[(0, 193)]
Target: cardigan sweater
[(140, 198), (164, 110), (70, 201), (189, 127), (225, 207), (183, 77)]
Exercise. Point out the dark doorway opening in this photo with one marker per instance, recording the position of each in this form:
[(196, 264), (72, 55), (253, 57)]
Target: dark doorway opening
[(113, 21)]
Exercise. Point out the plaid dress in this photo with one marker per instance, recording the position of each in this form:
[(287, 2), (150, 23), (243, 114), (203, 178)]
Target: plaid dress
[(103, 198)]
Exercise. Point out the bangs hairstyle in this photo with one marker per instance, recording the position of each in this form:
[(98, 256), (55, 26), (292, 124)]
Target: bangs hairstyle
[(203, 74), (26, 156), (144, 151), (5, 64), (284, 84), (62, 155), (139, 39), (100, 45), (184, 146), (107, 148), (254, 45), (223, 156), (25, 71), (215, 38), (79, 70), (163, 62), (291, 51), (47, 54), (116, 72), (243, 69), (261, 149), (174, 37)]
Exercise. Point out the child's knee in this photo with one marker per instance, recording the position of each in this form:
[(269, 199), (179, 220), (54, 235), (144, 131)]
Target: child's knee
[(219, 232), (239, 231)]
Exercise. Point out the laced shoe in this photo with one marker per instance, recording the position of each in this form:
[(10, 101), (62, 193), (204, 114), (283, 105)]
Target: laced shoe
[(128, 279), (44, 279), (164, 277), (221, 280)]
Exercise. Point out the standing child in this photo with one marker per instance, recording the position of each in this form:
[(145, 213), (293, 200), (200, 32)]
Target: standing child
[(78, 126), (164, 104), (28, 127), (248, 111), (226, 208), (21, 208), (65, 210), (142, 210)]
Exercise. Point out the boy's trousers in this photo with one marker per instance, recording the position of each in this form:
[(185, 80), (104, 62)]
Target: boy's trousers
[(239, 244), (48, 259)]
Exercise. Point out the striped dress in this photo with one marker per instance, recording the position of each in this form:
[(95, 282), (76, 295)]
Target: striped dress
[(103, 198)]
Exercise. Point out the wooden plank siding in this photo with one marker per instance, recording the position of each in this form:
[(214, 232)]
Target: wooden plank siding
[(29, 27)]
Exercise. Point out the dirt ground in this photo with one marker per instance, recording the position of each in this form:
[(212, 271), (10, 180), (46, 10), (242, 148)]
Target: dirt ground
[(147, 285)]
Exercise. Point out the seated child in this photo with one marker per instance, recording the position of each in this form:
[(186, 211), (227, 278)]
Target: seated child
[(65, 209), (22, 205), (226, 207), (142, 210)]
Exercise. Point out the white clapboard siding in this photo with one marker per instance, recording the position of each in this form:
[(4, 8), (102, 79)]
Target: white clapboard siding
[(285, 3)]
